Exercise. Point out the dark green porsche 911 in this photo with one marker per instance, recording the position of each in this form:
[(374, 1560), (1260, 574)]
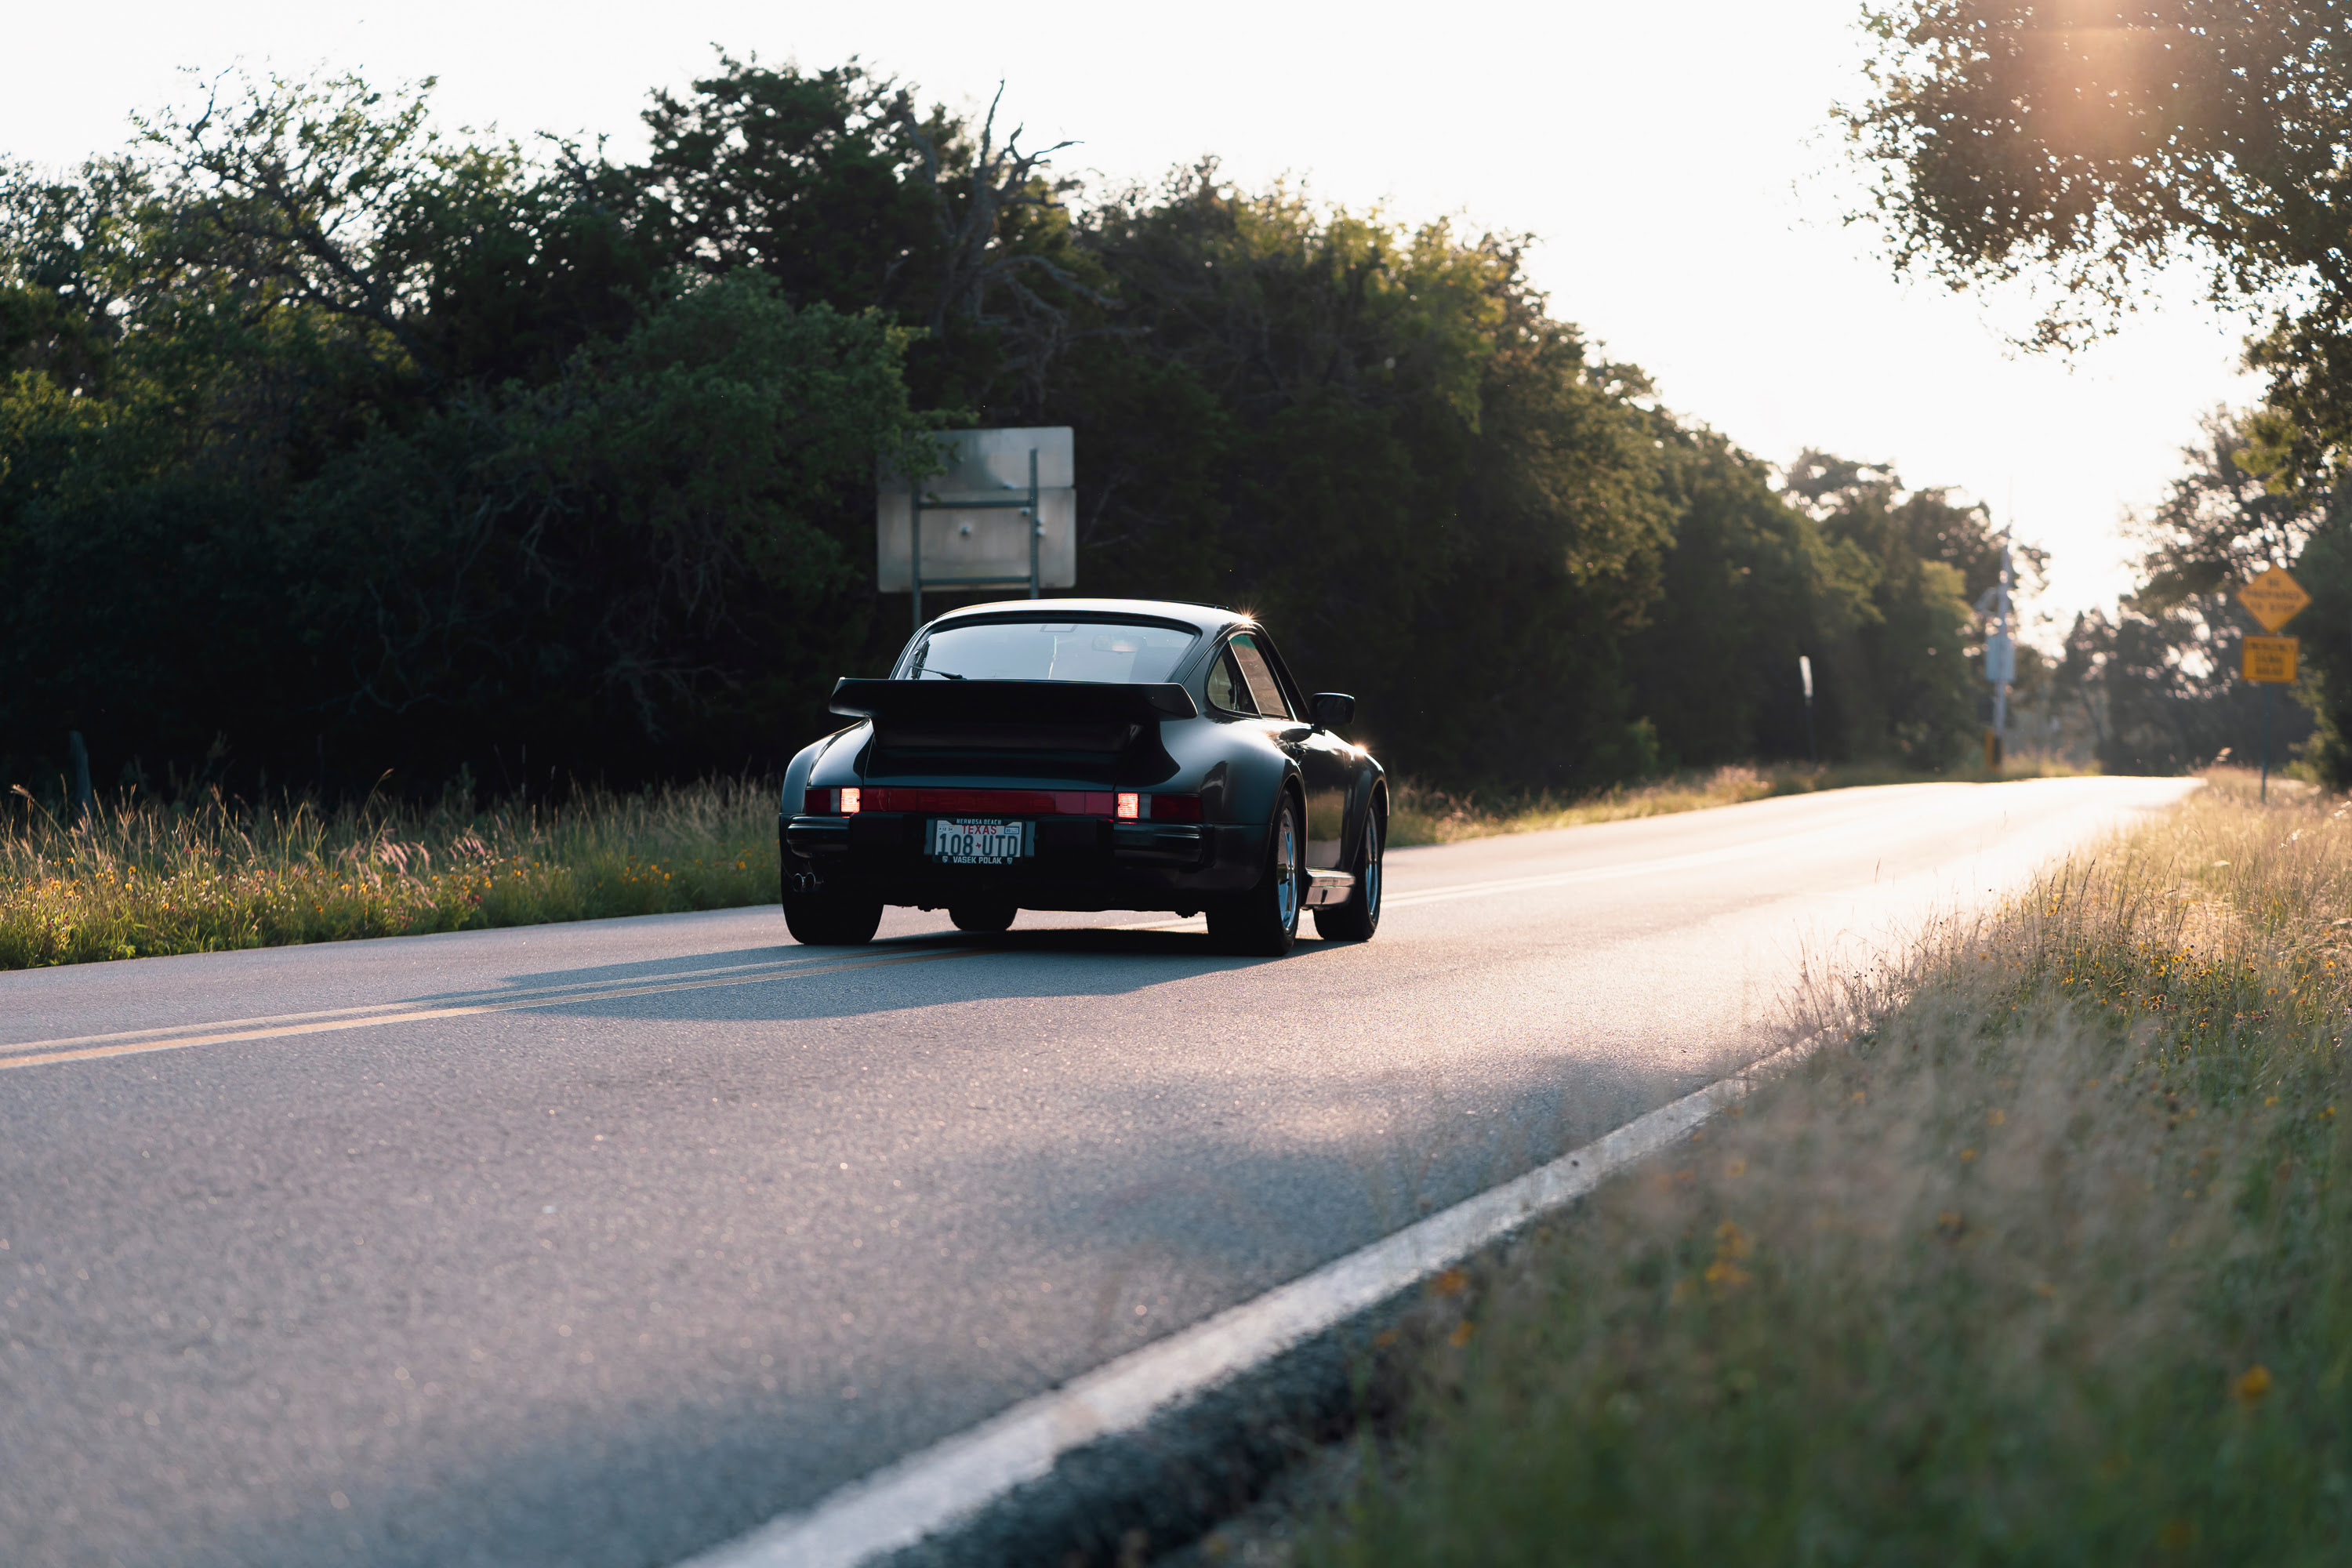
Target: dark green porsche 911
[(1087, 755)]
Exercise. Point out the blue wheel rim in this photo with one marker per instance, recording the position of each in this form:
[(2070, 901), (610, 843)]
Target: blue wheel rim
[(1285, 866)]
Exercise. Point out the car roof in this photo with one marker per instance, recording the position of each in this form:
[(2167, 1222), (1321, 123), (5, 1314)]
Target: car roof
[(1205, 617)]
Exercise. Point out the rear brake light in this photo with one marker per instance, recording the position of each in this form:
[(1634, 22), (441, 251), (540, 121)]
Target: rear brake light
[(1126, 805)]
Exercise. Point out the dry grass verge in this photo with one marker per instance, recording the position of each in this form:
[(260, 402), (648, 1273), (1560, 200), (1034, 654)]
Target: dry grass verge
[(2046, 1258), (143, 879), (1422, 814)]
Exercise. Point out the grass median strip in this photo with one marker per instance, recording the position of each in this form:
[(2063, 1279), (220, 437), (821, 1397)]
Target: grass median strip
[(2045, 1257)]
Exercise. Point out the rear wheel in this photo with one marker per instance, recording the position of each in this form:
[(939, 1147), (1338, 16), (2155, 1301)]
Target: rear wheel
[(982, 918), (830, 916), (1360, 916), (1263, 922)]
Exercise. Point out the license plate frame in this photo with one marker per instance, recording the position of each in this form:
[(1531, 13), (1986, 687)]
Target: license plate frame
[(979, 840)]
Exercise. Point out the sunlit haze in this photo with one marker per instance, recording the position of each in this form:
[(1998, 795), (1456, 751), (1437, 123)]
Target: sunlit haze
[(1676, 165)]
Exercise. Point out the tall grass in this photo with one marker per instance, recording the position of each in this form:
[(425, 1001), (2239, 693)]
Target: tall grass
[(2046, 1257), (142, 878), (1421, 813)]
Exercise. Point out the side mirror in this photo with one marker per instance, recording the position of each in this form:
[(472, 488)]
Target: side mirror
[(1330, 709)]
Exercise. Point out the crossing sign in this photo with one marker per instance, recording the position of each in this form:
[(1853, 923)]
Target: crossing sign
[(2274, 598), (2269, 660)]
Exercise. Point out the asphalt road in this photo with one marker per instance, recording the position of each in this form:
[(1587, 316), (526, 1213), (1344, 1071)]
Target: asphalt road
[(600, 1243)]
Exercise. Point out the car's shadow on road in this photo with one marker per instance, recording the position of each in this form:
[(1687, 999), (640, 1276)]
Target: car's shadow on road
[(1115, 943), (789, 981)]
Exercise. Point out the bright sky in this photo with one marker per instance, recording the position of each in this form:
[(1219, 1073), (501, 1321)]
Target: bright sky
[(1675, 162)]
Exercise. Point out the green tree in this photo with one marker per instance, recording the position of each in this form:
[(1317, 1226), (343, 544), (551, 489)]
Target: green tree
[(651, 544), (1906, 687), (330, 443), (1751, 583), (395, 449), (64, 249), (2086, 146), (1379, 438), (835, 184), (2170, 664)]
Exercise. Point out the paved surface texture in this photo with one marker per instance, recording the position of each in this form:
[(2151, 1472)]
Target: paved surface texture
[(601, 1244)]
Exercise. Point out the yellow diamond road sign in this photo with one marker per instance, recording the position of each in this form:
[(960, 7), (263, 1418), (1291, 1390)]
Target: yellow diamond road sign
[(2270, 660), (2274, 598)]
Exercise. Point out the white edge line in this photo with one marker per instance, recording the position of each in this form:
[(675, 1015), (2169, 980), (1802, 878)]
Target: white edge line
[(951, 1481)]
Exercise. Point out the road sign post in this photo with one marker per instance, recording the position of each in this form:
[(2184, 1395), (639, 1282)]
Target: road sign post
[(2000, 657), (2268, 662), (2274, 598)]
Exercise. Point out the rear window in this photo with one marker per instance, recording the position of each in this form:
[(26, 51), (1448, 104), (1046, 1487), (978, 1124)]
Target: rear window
[(1113, 651)]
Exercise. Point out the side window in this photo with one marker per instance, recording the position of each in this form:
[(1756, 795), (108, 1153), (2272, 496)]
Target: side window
[(1226, 688), (1265, 689)]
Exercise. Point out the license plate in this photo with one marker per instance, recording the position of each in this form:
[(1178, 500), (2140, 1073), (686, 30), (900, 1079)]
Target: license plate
[(978, 841)]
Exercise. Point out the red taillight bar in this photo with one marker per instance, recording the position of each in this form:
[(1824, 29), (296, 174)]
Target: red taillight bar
[(1125, 806)]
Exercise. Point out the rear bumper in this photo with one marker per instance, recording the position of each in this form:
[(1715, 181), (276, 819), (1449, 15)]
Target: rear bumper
[(1081, 863)]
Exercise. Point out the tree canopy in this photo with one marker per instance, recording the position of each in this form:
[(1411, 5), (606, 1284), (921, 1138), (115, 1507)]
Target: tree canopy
[(330, 444), (2084, 146)]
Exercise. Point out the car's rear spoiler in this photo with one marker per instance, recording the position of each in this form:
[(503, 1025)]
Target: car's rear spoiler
[(1015, 701)]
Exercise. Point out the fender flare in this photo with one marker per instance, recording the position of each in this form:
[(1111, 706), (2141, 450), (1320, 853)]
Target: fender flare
[(1376, 804)]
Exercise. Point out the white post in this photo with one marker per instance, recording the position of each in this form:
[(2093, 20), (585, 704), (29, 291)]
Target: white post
[(1805, 678), (2000, 689)]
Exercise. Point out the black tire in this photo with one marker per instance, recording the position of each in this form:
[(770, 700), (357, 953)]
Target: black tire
[(1360, 916), (1263, 922), (819, 916), (984, 919)]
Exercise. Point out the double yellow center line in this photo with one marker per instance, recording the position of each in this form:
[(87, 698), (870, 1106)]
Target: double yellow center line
[(181, 1037)]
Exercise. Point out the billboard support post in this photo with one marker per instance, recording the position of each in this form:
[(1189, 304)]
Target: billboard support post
[(2000, 657), (2266, 743), (2274, 598)]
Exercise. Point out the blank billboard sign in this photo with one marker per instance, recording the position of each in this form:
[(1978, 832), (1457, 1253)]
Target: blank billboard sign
[(984, 545)]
